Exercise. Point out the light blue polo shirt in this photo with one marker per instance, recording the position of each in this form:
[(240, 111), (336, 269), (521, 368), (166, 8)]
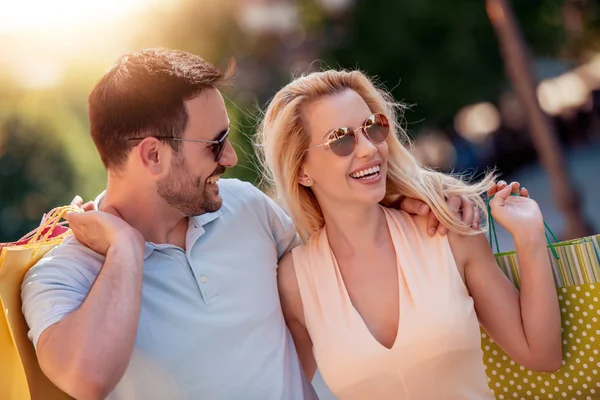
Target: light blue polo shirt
[(210, 325)]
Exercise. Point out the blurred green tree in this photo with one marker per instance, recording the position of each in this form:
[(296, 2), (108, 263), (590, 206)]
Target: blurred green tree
[(35, 175)]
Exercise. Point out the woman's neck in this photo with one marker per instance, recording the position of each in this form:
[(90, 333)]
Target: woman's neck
[(355, 229)]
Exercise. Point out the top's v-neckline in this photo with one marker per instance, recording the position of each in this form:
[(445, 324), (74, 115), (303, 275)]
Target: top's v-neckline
[(346, 294)]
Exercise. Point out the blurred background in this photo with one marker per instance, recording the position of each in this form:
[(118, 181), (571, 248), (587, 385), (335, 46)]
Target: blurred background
[(489, 84)]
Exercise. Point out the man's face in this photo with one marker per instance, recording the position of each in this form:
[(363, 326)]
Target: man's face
[(191, 185)]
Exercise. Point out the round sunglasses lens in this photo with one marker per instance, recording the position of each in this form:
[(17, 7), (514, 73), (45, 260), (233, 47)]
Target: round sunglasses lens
[(342, 142), (378, 128)]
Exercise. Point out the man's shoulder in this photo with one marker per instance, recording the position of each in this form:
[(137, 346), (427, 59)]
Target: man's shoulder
[(245, 193), (70, 255), (71, 247), (238, 194), (233, 187)]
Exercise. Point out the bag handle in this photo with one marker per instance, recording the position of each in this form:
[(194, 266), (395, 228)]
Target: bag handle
[(493, 234), (49, 222)]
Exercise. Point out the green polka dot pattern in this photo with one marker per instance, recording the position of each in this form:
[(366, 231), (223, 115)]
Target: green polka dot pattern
[(577, 273)]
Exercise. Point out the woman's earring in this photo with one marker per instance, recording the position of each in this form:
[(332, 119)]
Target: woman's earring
[(308, 181)]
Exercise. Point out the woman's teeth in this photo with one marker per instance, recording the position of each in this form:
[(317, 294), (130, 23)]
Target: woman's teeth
[(366, 173)]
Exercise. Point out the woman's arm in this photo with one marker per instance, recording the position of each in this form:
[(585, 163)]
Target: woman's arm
[(291, 304), (525, 324)]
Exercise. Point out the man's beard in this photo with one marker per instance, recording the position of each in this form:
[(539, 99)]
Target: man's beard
[(187, 194)]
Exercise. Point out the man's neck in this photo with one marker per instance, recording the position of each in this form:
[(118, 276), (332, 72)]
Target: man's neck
[(151, 215)]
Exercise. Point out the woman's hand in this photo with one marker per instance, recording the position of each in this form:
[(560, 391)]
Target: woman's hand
[(517, 213)]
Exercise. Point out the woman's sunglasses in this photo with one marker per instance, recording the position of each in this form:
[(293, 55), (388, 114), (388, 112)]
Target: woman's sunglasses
[(342, 141)]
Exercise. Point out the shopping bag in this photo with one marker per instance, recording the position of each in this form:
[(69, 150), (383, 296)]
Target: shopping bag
[(576, 270), (20, 375)]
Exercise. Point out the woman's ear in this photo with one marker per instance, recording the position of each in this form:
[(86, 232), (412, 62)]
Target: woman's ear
[(304, 179)]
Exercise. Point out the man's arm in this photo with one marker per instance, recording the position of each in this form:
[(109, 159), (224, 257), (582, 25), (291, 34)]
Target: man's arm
[(460, 205), (87, 351)]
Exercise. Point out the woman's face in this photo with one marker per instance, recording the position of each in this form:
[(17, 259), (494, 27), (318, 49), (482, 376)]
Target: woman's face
[(357, 173)]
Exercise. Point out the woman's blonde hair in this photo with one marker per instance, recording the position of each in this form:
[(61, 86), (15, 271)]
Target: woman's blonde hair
[(281, 143)]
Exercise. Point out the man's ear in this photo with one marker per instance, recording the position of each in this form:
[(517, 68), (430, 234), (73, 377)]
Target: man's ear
[(153, 155)]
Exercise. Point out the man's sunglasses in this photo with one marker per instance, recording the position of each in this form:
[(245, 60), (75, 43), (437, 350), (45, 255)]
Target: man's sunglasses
[(342, 141), (217, 146)]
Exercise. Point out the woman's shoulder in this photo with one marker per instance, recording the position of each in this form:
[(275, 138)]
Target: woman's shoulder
[(312, 254), (406, 221), (316, 241)]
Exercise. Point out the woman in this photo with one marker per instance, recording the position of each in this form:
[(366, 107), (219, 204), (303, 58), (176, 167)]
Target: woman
[(388, 311)]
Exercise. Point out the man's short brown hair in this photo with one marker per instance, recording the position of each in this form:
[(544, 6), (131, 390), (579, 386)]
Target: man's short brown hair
[(143, 95)]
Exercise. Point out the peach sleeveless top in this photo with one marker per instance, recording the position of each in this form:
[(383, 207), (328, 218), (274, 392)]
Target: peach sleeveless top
[(437, 353)]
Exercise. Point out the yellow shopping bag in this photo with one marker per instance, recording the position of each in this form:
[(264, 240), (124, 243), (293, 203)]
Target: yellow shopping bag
[(20, 375), (576, 269)]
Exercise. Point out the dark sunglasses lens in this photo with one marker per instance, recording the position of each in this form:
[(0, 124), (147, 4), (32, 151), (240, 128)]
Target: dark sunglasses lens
[(218, 150), (377, 128), (219, 147), (342, 142)]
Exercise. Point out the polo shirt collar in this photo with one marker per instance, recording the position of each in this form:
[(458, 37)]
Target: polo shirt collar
[(205, 218), (195, 223)]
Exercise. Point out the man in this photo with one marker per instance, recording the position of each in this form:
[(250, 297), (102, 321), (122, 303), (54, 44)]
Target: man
[(169, 290)]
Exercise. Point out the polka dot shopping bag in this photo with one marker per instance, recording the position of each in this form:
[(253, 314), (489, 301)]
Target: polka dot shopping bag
[(576, 269)]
